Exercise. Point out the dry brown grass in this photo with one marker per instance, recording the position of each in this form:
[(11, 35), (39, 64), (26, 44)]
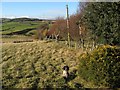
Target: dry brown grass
[(38, 64)]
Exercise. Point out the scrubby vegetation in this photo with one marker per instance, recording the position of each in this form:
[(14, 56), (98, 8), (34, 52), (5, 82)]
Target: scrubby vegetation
[(84, 27), (101, 66), (38, 64)]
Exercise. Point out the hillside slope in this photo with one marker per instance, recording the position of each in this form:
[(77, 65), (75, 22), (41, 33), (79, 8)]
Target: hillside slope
[(20, 25), (36, 64)]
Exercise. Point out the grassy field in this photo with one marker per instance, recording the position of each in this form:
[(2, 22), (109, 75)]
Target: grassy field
[(11, 39), (12, 27), (39, 64), (19, 26)]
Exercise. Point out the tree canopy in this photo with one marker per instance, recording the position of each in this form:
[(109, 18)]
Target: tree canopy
[(102, 20)]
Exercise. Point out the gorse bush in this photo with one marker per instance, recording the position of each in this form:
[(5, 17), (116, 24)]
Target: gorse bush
[(101, 66)]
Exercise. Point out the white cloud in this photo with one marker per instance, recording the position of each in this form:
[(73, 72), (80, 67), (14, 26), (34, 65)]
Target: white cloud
[(24, 17), (11, 17), (39, 17)]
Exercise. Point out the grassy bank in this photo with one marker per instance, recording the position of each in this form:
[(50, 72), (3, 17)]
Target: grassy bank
[(36, 64), (39, 64)]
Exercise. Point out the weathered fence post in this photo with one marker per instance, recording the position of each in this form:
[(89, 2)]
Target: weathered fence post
[(68, 26)]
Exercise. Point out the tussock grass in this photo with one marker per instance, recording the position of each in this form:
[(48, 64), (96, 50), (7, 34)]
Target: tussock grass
[(36, 64)]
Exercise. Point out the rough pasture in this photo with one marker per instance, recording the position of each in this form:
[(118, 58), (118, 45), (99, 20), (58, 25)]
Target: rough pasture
[(36, 64)]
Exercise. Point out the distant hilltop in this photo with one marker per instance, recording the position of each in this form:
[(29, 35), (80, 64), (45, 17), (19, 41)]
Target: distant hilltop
[(24, 19)]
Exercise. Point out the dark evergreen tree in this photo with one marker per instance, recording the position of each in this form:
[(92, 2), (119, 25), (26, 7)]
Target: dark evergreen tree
[(102, 20)]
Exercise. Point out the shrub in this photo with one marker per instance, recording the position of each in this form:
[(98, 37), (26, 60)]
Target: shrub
[(101, 66)]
